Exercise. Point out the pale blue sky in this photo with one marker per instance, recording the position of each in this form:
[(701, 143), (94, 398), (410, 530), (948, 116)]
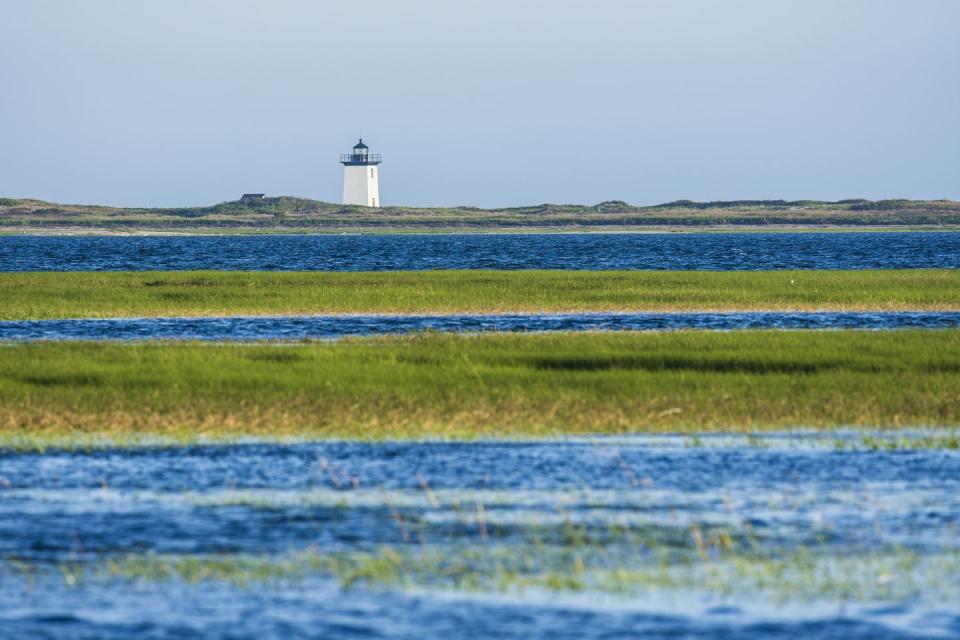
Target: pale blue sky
[(489, 103)]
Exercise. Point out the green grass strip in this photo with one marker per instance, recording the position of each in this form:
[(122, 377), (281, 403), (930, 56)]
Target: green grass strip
[(440, 385), (41, 295)]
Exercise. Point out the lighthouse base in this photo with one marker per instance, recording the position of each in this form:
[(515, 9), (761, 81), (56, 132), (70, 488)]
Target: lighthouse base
[(361, 185)]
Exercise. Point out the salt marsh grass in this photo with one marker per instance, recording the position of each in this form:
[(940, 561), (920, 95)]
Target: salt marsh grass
[(44, 295), (463, 386)]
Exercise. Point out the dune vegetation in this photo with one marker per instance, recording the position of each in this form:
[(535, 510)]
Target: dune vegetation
[(44, 295), (504, 385), (301, 215)]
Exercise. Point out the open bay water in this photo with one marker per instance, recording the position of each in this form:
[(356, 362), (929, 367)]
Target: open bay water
[(672, 251), (248, 328), (784, 536)]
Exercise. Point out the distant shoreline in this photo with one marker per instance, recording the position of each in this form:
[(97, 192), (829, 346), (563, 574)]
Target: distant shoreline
[(288, 215), (283, 231)]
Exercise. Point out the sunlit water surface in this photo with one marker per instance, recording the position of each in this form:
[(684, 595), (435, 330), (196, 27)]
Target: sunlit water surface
[(784, 536), (326, 327), (683, 251)]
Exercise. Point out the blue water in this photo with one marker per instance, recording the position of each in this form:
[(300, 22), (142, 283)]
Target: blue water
[(70, 521), (324, 327), (717, 251)]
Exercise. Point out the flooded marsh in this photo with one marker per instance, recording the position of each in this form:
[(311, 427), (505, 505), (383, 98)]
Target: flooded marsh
[(817, 535)]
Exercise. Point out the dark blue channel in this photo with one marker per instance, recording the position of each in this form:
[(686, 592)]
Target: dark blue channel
[(661, 251), (327, 327)]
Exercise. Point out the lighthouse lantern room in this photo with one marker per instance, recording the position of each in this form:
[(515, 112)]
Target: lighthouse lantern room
[(361, 176)]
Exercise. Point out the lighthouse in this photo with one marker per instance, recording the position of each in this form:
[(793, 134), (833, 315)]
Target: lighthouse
[(361, 176)]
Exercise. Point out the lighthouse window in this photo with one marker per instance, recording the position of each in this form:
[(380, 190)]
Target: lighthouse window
[(371, 172)]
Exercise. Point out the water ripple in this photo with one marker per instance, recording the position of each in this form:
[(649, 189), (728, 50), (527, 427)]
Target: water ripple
[(694, 251), (660, 536), (328, 327)]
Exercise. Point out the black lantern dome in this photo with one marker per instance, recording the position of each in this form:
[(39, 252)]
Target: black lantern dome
[(361, 156)]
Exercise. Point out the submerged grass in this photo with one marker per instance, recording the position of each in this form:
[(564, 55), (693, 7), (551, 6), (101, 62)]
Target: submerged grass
[(44, 295), (787, 575), (464, 386)]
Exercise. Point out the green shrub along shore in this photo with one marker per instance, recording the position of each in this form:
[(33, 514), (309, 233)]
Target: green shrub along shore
[(42, 295), (300, 215), (462, 386)]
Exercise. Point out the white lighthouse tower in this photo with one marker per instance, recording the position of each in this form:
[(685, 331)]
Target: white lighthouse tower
[(361, 176)]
